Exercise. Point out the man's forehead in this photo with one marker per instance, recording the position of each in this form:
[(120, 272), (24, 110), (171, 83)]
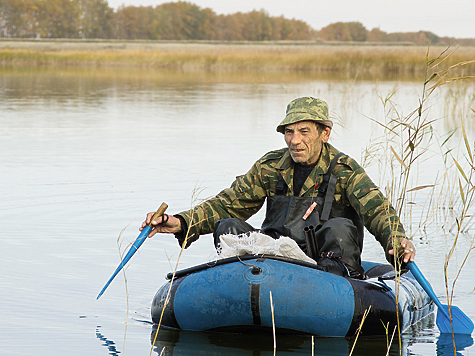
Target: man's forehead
[(301, 125)]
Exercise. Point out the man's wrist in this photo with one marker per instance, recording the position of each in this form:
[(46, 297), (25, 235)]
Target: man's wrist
[(183, 224)]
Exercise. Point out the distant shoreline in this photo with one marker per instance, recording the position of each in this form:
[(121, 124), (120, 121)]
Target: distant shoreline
[(20, 42), (214, 56)]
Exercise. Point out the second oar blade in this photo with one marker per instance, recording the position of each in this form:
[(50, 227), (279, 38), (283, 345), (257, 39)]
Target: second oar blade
[(461, 323)]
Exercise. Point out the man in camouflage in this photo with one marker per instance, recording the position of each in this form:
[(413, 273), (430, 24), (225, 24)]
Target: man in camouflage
[(300, 168)]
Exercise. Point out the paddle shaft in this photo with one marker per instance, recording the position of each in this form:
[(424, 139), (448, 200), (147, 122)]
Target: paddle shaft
[(416, 272), (136, 245)]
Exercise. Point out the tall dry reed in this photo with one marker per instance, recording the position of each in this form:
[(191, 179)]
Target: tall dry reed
[(372, 60), (407, 141)]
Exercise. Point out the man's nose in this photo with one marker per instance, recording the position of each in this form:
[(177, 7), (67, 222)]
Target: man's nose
[(295, 139)]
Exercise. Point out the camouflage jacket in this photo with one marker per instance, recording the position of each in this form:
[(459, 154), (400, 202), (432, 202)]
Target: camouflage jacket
[(248, 192)]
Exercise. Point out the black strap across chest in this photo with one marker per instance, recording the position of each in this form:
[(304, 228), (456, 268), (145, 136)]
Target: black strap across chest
[(327, 177)]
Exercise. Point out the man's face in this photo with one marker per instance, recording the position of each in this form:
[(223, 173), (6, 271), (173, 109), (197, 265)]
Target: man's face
[(304, 141)]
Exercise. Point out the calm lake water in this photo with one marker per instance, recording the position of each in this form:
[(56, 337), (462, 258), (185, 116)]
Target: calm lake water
[(84, 155)]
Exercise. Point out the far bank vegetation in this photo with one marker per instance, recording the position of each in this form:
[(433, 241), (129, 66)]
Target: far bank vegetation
[(181, 36), (178, 21)]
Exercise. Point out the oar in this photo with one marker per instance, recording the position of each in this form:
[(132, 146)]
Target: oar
[(137, 243), (461, 323)]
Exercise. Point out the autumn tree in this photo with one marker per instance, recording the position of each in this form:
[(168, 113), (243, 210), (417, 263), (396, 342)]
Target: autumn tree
[(256, 26), (135, 22), (259, 26), (58, 19), (18, 18), (229, 27), (183, 21), (335, 32), (55, 19), (376, 35), (95, 19), (343, 31), (358, 32), (421, 37), (298, 30)]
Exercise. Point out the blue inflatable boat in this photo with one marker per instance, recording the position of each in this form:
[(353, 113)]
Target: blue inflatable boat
[(233, 295)]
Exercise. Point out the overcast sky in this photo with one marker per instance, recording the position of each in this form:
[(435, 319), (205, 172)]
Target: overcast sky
[(454, 18)]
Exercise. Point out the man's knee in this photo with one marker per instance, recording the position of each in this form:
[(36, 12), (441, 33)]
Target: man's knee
[(340, 227), (230, 226), (339, 235), (338, 238)]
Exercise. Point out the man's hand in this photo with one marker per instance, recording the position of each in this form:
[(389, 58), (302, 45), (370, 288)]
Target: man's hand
[(407, 249), (172, 224)]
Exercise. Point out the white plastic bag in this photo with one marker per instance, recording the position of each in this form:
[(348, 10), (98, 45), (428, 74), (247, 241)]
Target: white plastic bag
[(256, 243)]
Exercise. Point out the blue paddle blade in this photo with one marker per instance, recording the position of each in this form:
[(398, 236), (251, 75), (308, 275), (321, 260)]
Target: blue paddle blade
[(462, 324), (137, 243)]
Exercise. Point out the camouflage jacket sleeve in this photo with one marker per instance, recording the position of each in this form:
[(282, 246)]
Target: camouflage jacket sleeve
[(243, 199), (374, 209)]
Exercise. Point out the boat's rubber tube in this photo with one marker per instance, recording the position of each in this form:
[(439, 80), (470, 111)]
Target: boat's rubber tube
[(235, 296)]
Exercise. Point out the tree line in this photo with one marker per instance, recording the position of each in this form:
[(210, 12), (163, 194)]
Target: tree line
[(91, 19), (355, 31), (182, 20)]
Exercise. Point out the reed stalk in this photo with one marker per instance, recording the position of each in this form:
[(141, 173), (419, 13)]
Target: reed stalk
[(466, 184), (390, 341), (121, 255), (365, 314), (273, 322)]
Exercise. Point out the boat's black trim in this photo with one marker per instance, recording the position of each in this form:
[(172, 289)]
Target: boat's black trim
[(379, 270), (224, 261), (255, 307), (159, 302), (377, 301)]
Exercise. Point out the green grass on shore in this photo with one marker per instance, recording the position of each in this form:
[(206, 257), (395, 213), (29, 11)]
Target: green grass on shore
[(376, 60)]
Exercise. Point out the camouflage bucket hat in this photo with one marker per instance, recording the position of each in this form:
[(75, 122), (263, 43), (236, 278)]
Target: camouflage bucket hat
[(306, 108)]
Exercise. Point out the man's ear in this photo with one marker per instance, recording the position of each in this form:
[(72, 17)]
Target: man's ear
[(326, 134)]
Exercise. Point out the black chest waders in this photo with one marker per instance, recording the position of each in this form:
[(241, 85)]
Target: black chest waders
[(285, 217)]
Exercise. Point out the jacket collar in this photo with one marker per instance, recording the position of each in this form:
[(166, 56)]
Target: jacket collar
[(286, 167)]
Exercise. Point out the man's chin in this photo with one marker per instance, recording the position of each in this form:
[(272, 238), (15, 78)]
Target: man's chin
[(300, 160)]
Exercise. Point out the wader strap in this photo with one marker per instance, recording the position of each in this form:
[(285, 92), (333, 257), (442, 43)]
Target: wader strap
[(327, 188), (327, 205), (347, 261), (359, 270), (281, 187), (326, 177)]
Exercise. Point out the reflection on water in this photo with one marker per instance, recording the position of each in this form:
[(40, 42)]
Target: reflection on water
[(107, 343), (173, 342), (170, 342), (445, 344), (122, 76)]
